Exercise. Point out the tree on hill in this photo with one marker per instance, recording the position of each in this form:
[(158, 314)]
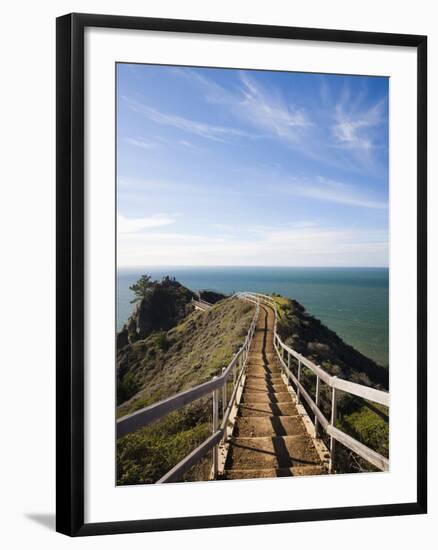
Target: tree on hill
[(141, 287)]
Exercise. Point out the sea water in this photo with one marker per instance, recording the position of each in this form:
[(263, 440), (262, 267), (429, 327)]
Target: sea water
[(354, 302)]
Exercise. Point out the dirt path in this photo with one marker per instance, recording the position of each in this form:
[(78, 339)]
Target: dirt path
[(269, 438)]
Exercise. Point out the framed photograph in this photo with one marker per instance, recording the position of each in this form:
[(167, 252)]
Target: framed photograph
[(241, 274)]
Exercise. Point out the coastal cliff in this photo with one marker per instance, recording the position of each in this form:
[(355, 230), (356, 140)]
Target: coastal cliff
[(162, 305), (166, 346)]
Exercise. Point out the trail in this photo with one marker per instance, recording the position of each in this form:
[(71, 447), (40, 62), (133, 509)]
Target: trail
[(269, 437)]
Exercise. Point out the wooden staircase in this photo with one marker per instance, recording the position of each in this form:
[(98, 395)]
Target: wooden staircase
[(269, 438)]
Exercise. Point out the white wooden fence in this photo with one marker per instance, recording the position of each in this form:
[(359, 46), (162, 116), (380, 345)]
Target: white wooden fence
[(218, 385), (286, 354), (202, 305), (234, 373)]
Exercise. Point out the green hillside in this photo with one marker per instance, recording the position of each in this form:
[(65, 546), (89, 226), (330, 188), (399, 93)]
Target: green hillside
[(167, 346), (365, 421), (164, 363)]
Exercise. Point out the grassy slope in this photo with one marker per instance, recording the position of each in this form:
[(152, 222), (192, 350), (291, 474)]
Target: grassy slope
[(360, 419), (164, 364)]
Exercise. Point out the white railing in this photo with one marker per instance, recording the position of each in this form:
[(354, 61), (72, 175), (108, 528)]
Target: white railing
[(286, 354), (202, 305), (233, 372)]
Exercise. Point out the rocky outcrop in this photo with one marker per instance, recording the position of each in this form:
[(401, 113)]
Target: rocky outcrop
[(211, 296), (164, 306)]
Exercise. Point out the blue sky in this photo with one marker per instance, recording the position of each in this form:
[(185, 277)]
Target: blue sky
[(238, 167)]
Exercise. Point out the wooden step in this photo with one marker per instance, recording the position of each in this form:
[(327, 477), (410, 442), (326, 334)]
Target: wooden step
[(265, 387), (251, 396), (258, 356), (259, 370), (264, 380), (269, 437), (264, 375), (267, 409), (268, 426), (249, 453), (262, 364), (271, 472), (261, 346)]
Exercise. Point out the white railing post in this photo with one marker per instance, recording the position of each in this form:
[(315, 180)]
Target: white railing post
[(298, 378), (242, 365), (317, 404), (152, 413), (215, 428), (224, 395), (288, 369), (332, 423)]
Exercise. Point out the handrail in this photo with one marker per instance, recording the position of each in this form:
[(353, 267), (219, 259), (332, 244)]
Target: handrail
[(335, 383), (145, 416), (190, 460), (201, 304), (371, 394)]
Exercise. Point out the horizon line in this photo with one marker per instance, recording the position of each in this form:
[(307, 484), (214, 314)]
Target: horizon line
[(173, 266)]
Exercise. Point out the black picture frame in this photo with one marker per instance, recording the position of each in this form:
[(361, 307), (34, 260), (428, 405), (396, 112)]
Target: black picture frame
[(70, 272)]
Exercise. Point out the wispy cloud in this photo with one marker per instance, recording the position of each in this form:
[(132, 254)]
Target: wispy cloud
[(159, 143), (354, 125), (271, 112), (134, 225), (291, 246), (341, 131), (144, 185), (324, 189), (264, 109), (200, 129), (271, 180), (213, 92), (141, 142), (187, 144), (318, 187), (301, 181)]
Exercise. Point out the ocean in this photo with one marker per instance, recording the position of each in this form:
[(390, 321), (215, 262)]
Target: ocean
[(354, 302)]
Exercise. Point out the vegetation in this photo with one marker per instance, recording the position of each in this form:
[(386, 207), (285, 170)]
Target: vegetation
[(159, 307), (146, 455), (141, 288), (149, 369), (192, 352), (166, 346), (362, 420), (210, 296), (314, 340)]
